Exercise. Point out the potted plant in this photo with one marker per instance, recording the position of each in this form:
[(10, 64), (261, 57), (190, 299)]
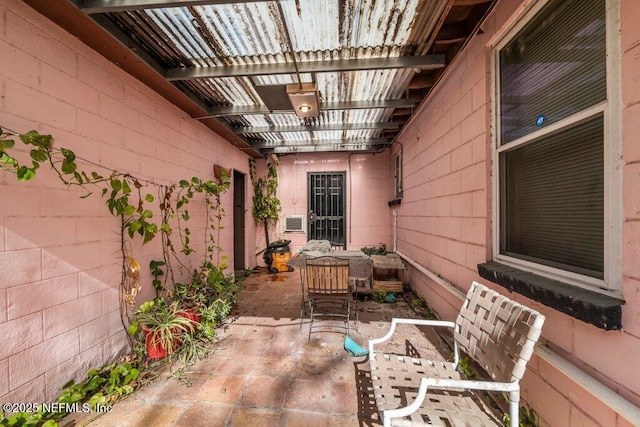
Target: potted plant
[(162, 326), (193, 295), (190, 298)]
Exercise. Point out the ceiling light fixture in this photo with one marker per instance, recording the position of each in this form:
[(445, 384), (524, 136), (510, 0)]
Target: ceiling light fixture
[(304, 99)]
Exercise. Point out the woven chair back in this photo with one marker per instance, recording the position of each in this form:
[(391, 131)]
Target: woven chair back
[(498, 333)]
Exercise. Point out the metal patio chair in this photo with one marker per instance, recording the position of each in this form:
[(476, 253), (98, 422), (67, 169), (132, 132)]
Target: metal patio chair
[(494, 331), (329, 294)]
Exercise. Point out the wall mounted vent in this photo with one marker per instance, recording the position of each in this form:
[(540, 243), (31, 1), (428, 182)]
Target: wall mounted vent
[(295, 223)]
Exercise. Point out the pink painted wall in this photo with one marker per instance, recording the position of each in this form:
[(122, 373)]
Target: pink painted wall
[(445, 224), (367, 193), (59, 262)]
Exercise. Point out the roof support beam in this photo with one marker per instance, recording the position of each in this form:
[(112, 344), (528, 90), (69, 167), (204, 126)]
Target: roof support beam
[(105, 6), (336, 143), (354, 105), (326, 149), (316, 128), (424, 62)]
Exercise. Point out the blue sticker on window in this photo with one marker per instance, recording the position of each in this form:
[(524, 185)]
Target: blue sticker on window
[(540, 120)]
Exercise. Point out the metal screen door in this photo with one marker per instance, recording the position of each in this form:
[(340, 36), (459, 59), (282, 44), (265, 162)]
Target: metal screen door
[(326, 207)]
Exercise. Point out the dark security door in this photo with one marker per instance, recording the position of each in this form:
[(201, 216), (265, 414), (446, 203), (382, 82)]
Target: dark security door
[(238, 221), (326, 207)]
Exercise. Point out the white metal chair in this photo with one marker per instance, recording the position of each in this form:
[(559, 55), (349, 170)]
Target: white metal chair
[(496, 332)]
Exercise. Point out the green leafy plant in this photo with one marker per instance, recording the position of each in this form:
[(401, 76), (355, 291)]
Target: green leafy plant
[(420, 305), (126, 197), (103, 386), (157, 271), (379, 295), (193, 348), (20, 419), (527, 418), (207, 284), (266, 206), (380, 250), (463, 366), (162, 322)]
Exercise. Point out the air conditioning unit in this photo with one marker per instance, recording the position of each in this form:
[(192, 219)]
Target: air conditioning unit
[(295, 223)]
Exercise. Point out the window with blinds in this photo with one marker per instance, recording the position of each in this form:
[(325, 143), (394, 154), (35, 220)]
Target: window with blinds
[(555, 67), (553, 72)]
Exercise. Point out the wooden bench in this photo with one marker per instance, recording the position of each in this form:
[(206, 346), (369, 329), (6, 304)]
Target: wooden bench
[(496, 332)]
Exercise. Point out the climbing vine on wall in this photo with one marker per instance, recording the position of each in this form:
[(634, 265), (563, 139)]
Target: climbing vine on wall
[(266, 206), (129, 199)]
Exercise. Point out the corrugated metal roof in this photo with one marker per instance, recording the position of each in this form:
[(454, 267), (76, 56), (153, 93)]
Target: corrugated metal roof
[(229, 36)]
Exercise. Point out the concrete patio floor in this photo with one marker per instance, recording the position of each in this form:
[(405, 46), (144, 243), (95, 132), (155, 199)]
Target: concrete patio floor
[(265, 371)]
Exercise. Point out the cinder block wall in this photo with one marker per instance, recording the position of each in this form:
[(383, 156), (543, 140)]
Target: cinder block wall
[(445, 225), (59, 254)]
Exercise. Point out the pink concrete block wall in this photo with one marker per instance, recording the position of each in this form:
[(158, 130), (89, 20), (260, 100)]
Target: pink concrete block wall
[(59, 265), (368, 190), (445, 223)]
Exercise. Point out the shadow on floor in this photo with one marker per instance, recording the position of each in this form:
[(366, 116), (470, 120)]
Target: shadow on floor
[(264, 371)]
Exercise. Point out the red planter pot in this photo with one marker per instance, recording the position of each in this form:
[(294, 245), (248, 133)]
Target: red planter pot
[(155, 349), (190, 314)]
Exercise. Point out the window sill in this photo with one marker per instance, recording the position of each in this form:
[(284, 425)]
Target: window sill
[(599, 310)]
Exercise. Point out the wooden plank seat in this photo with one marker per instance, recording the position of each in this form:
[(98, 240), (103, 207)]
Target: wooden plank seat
[(496, 332)]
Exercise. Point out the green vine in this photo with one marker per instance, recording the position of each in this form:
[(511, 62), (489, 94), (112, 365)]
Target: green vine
[(266, 206), (102, 388), (126, 198)]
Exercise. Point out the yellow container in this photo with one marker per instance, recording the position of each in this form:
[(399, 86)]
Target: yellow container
[(280, 261)]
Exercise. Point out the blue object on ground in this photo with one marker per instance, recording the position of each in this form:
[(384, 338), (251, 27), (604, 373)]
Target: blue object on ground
[(353, 348), (390, 298)]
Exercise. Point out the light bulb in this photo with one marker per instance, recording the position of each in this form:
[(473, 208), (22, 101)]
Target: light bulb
[(305, 108)]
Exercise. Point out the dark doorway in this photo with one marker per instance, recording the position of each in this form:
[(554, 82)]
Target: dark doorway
[(327, 207), (238, 221)]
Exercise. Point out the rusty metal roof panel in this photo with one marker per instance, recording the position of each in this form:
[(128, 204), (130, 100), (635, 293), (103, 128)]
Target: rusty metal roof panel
[(248, 29), (363, 85), (237, 34), (317, 26), (320, 30), (217, 33)]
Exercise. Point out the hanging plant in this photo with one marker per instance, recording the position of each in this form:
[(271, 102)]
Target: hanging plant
[(266, 206)]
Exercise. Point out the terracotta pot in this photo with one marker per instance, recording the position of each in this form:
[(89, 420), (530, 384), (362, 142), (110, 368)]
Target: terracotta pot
[(156, 350), (190, 314)]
